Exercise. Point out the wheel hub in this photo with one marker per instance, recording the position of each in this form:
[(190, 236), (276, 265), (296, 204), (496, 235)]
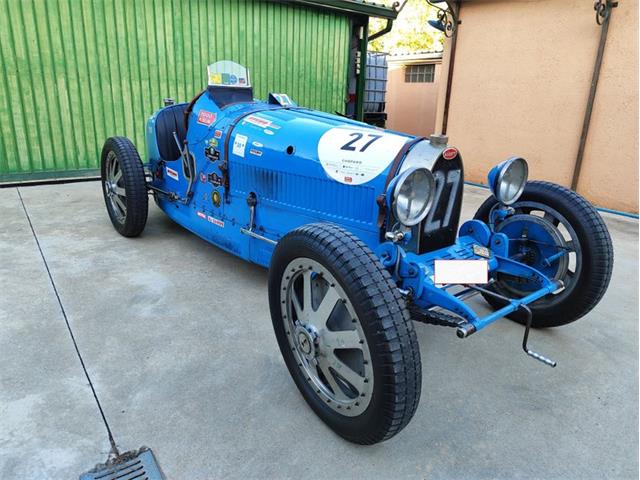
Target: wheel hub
[(113, 192), (326, 337), (536, 239), (307, 341)]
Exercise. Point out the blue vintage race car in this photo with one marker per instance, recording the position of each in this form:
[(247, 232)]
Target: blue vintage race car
[(359, 229)]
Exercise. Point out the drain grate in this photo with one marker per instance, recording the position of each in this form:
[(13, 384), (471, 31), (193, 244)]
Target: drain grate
[(136, 465)]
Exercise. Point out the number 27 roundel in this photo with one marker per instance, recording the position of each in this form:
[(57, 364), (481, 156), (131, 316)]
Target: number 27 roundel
[(357, 155)]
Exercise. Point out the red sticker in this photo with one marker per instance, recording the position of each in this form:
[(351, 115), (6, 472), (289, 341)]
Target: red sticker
[(206, 118), (258, 121), (202, 215), (450, 153), (217, 133), (348, 179)]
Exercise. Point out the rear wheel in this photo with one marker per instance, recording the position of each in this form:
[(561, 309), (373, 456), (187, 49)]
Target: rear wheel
[(344, 333), (561, 234), (124, 186)]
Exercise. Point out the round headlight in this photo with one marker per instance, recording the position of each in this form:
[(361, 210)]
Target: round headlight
[(508, 179), (413, 196)]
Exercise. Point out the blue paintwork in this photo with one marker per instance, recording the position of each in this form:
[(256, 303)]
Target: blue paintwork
[(415, 273), (293, 189)]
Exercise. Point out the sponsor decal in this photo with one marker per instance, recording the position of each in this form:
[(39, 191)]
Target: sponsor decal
[(242, 81), (215, 179), (215, 79), (215, 198), (203, 178), (258, 121), (283, 99), (212, 154), (213, 142), (356, 155), (172, 173), (206, 118), (481, 251), (257, 144), (268, 132), (449, 153), (233, 79), (217, 134), (201, 215), (215, 221), (257, 153), (239, 145)]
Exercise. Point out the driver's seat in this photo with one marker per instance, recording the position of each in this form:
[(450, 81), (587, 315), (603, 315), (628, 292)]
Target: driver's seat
[(169, 120)]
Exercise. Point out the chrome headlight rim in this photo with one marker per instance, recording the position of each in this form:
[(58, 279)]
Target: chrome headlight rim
[(504, 169), (400, 183)]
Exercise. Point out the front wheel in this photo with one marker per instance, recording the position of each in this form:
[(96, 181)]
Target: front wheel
[(558, 232), (344, 333)]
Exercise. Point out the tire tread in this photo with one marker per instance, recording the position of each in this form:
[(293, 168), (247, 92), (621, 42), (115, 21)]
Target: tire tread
[(596, 273), (386, 313), (135, 186)]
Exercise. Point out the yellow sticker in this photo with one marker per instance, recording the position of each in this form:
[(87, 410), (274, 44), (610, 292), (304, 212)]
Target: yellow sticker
[(215, 198), (215, 79)]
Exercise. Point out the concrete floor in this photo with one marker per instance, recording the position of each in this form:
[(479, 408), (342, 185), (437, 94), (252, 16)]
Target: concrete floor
[(177, 338)]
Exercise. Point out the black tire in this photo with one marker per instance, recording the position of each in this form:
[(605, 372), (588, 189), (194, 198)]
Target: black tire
[(384, 320), (131, 220), (596, 255)]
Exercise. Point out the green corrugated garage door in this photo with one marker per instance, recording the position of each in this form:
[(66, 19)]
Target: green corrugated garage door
[(74, 72)]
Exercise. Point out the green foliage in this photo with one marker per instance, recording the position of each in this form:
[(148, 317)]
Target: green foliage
[(411, 33)]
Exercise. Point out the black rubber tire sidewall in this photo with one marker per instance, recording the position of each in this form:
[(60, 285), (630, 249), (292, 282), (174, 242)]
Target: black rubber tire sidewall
[(597, 253), (137, 200), (392, 341)]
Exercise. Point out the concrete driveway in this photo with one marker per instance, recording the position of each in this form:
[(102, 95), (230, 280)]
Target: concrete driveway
[(177, 338)]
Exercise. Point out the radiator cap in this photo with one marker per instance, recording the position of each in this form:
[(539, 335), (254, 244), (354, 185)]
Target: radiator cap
[(438, 139)]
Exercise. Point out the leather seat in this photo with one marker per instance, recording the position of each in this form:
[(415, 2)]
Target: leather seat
[(169, 120)]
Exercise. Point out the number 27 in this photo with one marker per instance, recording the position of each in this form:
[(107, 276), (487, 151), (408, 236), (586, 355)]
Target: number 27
[(350, 145)]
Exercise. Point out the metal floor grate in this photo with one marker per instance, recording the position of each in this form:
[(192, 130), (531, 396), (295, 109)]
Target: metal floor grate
[(137, 465)]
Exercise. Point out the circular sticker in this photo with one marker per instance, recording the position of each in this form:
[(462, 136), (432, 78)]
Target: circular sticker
[(357, 155)]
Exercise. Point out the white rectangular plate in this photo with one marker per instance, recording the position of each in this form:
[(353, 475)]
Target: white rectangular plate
[(461, 271)]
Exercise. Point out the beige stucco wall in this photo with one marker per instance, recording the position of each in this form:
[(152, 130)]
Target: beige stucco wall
[(609, 175), (411, 107), (520, 86)]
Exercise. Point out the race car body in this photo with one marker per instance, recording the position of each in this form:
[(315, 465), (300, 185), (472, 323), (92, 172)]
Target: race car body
[(359, 228)]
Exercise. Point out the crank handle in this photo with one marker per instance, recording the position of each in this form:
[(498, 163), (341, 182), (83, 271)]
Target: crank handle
[(541, 358), (531, 353)]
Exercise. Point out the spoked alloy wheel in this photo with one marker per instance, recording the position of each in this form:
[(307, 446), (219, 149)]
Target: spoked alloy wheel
[(124, 186), (326, 336), (559, 233), (344, 333), (114, 187)]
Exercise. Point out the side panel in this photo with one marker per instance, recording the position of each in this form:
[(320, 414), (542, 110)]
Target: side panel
[(273, 153)]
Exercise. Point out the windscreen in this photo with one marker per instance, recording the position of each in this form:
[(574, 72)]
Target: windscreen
[(228, 74)]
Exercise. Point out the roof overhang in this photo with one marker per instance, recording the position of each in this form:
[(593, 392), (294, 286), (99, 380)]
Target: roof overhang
[(415, 58), (350, 7)]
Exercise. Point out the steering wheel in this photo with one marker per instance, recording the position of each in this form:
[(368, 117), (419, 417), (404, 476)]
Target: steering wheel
[(189, 109)]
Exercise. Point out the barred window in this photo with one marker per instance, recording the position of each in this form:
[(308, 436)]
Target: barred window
[(419, 73)]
